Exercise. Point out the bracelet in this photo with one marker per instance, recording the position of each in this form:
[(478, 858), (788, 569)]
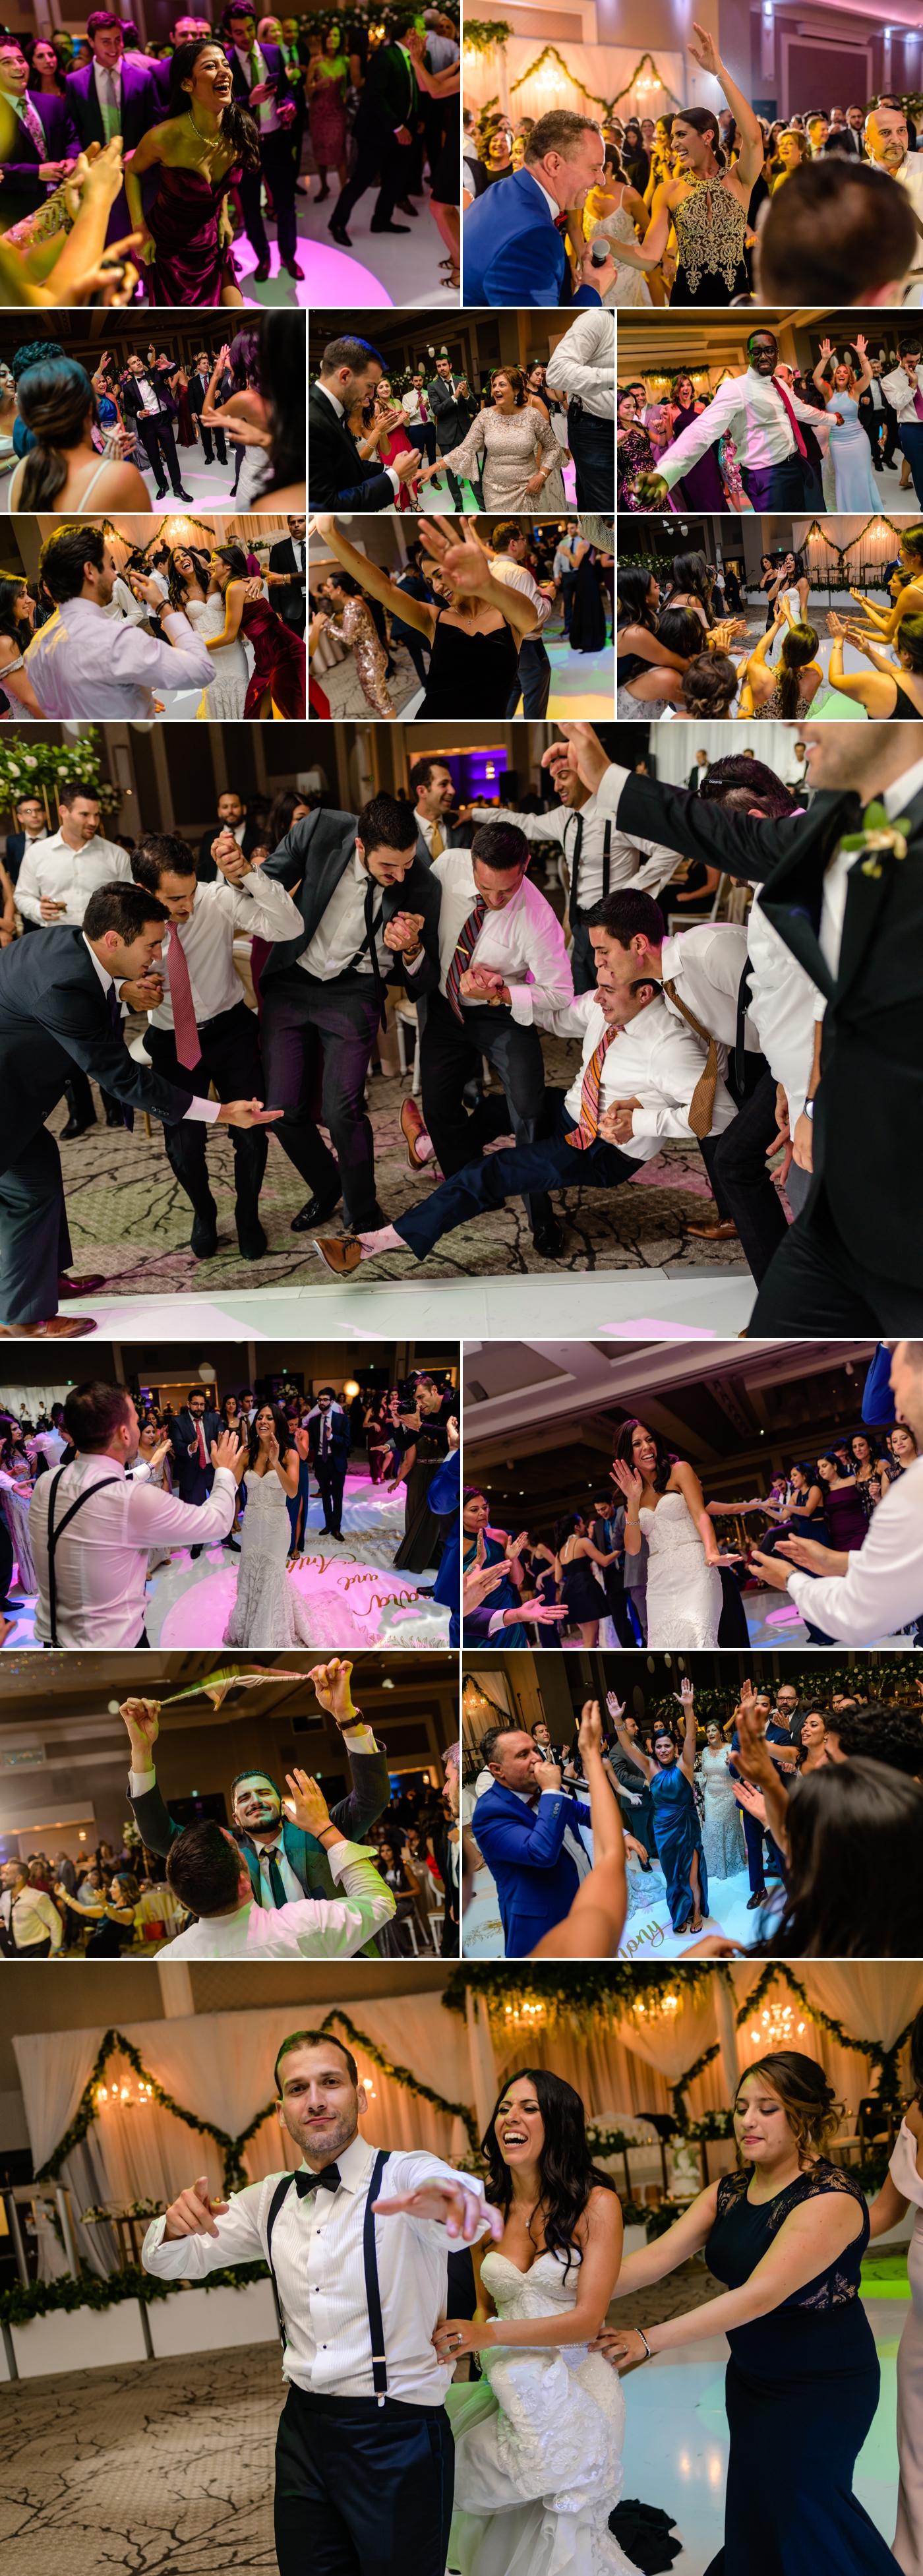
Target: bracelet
[(648, 2353)]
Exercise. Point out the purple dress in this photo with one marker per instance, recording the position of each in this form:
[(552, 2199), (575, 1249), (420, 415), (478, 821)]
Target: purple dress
[(845, 1518), (191, 266), (701, 483)]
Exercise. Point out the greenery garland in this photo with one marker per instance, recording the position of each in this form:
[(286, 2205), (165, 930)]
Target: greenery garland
[(583, 1993), (41, 2298), (114, 2044), (481, 35)]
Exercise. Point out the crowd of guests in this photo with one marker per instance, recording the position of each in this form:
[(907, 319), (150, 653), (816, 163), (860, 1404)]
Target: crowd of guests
[(383, 115), (511, 436), (791, 1783), (773, 437), (721, 206), (525, 578)]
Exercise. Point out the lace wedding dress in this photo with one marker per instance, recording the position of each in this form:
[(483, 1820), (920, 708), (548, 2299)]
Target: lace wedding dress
[(538, 2457), (227, 691), (269, 1609), (683, 1592)]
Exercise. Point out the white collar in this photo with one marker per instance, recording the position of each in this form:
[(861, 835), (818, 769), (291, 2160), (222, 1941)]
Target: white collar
[(902, 789), (353, 2164), (554, 209), (333, 400), (114, 74), (105, 978)]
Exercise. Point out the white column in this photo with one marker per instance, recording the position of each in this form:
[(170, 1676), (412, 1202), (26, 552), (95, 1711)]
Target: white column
[(175, 1977)]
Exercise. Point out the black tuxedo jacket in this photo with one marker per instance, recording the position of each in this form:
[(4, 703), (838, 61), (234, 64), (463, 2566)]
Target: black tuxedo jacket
[(390, 97), (53, 1015), (867, 1115), (337, 477), (453, 413), (192, 1480), (15, 852), (206, 870), (310, 862), (20, 176), (869, 410), (131, 398), (290, 603)]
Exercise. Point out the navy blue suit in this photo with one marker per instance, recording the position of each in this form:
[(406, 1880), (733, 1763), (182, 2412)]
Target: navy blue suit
[(512, 251), (22, 188), (330, 1471), (193, 1481), (754, 1833), (535, 1878), (276, 158)]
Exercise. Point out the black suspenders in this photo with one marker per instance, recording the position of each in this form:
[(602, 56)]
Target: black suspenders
[(370, 2261), (55, 1534), (575, 856)]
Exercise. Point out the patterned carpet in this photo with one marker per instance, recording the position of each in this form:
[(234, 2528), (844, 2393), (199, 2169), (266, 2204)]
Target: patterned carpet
[(130, 1219), (163, 2470)]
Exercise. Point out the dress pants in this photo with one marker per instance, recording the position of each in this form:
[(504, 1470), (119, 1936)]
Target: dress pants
[(533, 680), (362, 2486), (776, 487), (206, 436), (392, 167), (422, 436), (583, 959), (592, 446), (872, 422), (550, 1164), (815, 1285), (451, 479), (156, 436), (911, 438), (34, 1241), (450, 1056), (231, 1060), (331, 1478), (317, 1041), (744, 1188), (278, 170), (755, 1835)]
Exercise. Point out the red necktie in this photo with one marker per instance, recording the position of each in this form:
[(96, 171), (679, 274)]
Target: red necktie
[(203, 1461), (588, 1129), (184, 1018), (783, 397)]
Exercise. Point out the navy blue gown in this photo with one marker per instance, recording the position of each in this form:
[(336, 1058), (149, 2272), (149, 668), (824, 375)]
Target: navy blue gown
[(801, 2391)]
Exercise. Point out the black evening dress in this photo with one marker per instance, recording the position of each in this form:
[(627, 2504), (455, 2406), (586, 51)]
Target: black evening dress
[(801, 2391), (470, 675)]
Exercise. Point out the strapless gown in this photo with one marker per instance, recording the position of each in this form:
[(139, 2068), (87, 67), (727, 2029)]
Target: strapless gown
[(683, 1593), (269, 1609), (280, 660), (191, 266), (226, 695), (538, 2456)]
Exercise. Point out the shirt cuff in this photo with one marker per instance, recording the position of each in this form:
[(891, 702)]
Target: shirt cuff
[(345, 1855), (359, 1738), (496, 1622), (170, 617), (394, 479), (521, 1004), (140, 1781), (207, 1109)]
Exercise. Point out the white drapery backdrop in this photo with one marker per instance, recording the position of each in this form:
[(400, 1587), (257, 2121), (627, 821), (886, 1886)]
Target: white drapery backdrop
[(601, 68), (220, 2066)]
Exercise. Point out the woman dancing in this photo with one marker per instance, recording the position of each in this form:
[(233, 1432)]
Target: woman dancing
[(891, 689), (722, 1833), (670, 1777), (615, 213), (787, 2232), (521, 455), (706, 202), (331, 74), (63, 470), (269, 1609), (277, 684), (573, 1564), (538, 2440), (901, 2190), (206, 143), (473, 627), (702, 483), (665, 1504), (849, 454), (481, 1546), (17, 610), (789, 688)]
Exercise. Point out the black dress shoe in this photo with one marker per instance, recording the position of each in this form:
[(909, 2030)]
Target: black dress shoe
[(261, 272), (161, 492), (758, 1898), (76, 1127), (180, 495), (389, 228), (405, 208), (251, 1243), (549, 1240), (203, 1240), (339, 233), (316, 1211), (234, 1545), (334, 1533), (114, 1118)]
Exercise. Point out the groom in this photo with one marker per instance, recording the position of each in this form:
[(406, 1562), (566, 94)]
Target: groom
[(364, 2454), (530, 1836)]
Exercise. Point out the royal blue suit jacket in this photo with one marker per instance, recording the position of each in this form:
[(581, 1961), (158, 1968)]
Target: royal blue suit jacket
[(535, 1878), (512, 252)]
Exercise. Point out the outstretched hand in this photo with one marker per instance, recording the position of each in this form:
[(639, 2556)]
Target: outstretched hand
[(193, 2214), (457, 2206)]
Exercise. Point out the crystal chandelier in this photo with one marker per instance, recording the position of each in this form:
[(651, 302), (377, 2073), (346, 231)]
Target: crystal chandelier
[(523, 2016), (120, 2097), (665, 2009), (777, 2026)]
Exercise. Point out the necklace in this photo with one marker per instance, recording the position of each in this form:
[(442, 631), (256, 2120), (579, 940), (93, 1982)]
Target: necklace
[(211, 144)]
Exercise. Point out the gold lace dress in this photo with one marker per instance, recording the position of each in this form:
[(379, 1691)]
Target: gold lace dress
[(710, 230)]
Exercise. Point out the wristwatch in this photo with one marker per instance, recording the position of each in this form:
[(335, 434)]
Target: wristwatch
[(809, 1109)]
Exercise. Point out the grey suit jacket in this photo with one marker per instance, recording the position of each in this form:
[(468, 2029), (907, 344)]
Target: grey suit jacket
[(310, 862)]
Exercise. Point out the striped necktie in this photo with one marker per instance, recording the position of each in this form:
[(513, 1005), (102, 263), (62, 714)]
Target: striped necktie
[(464, 950), (588, 1130)]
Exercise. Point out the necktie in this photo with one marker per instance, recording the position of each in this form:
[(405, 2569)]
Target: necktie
[(437, 844), (276, 1882), (328, 2180), (461, 960), (702, 1104), (918, 404), (115, 1015), (184, 1018), (371, 928), (323, 1434), (33, 125), (111, 105), (200, 1436), (574, 857), (587, 1131), (796, 433)]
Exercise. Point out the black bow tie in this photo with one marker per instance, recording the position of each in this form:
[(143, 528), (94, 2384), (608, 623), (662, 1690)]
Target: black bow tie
[(328, 2180)]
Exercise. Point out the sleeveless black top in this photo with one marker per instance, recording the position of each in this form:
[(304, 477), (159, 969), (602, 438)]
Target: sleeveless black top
[(470, 675)]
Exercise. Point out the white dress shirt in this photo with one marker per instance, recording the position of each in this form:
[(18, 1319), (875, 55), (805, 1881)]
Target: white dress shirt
[(706, 963), (625, 863), (313, 1927), (518, 577), (895, 800), (317, 2258), (901, 389), (67, 876), (371, 464), (259, 906), (784, 1005), (570, 1839), (524, 942), (655, 1059), (883, 1587), (584, 361), (340, 933), (101, 1561), (752, 409), (80, 664), (207, 1110), (30, 1917), (108, 86)]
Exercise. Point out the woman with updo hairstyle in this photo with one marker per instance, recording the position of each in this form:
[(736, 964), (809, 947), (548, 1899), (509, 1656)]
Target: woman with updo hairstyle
[(63, 470), (277, 685), (901, 2190), (787, 2232)]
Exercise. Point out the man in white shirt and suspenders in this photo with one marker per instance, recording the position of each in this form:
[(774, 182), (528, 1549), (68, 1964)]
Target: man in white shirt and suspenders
[(364, 2455)]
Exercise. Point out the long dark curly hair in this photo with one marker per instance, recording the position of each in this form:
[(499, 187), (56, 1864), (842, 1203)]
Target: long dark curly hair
[(282, 1432), (176, 588), (567, 2174), (236, 124), (665, 1459)]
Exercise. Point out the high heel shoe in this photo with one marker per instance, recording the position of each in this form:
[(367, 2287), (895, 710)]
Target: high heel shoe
[(322, 193)]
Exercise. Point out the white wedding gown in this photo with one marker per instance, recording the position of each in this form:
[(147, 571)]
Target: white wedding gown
[(538, 2456), (226, 694), (683, 1592), (269, 1609)]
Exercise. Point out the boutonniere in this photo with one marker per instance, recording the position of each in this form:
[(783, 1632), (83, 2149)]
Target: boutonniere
[(879, 834)]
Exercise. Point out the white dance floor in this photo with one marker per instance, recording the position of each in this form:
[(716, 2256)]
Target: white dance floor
[(709, 1305)]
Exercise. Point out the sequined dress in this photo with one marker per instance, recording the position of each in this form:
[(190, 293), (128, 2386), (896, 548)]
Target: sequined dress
[(356, 627), (710, 233), (513, 444)]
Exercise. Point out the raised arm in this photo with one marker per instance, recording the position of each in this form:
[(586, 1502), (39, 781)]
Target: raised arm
[(750, 157), (415, 612), (686, 1696), (593, 1928), (818, 373), (642, 1761), (851, 684)]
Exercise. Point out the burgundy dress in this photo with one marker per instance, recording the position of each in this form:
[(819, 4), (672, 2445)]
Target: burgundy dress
[(191, 266), (280, 659)]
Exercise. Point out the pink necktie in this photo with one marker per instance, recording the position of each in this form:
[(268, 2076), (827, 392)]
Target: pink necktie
[(184, 1019), (918, 404), (203, 1461), (786, 405)]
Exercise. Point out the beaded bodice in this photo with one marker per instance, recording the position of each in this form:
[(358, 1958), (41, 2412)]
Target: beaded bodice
[(711, 231)]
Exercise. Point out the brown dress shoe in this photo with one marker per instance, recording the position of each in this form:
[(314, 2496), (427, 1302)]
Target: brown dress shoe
[(724, 1231), (341, 1252), (59, 1328), (413, 1126)]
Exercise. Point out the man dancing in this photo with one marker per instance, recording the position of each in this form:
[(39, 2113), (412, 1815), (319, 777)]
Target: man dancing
[(364, 2457), (763, 419)]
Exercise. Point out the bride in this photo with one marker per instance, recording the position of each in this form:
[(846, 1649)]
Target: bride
[(197, 582), (664, 1503), (538, 2461), (269, 1609)]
